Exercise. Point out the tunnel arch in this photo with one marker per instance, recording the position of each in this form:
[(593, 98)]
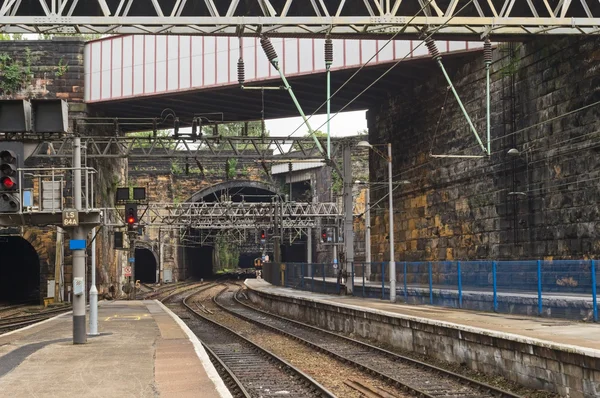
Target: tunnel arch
[(20, 270), (209, 194), (146, 263), (199, 260)]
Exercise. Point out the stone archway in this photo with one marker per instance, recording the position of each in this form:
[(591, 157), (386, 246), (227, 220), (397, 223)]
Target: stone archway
[(199, 259), (146, 263), (19, 271)]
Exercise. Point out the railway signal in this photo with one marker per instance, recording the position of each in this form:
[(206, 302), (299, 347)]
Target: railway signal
[(131, 215), (324, 234), (9, 185), (263, 235)]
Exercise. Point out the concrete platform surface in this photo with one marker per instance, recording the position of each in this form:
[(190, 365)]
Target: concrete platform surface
[(143, 350), (548, 331)]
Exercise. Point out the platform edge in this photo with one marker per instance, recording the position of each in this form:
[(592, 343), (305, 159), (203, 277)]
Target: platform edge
[(201, 353)]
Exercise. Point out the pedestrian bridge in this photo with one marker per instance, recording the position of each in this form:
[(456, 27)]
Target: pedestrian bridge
[(140, 76)]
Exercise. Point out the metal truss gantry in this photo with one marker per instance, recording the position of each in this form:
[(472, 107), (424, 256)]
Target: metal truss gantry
[(366, 18), (238, 215), (271, 149)]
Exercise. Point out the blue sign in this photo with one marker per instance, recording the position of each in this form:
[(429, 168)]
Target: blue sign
[(77, 244), (132, 260)]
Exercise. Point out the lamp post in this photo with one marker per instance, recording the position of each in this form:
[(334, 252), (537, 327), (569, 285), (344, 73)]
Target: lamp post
[(365, 144)]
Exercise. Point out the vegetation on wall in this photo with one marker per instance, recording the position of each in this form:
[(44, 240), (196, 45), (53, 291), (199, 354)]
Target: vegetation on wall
[(14, 74)]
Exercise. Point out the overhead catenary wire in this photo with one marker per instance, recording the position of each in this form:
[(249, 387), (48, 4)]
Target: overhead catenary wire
[(374, 56), (430, 162), (385, 73)]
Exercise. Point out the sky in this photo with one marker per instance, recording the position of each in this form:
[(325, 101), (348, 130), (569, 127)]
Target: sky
[(344, 124)]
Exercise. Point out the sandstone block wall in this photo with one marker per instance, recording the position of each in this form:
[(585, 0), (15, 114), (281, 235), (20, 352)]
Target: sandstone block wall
[(542, 203)]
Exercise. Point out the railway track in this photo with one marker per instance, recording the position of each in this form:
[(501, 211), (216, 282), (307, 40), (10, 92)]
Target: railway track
[(411, 375), (247, 369), (16, 322)]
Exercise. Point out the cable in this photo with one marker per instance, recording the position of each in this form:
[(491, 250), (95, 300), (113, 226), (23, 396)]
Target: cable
[(395, 64), (510, 134), (401, 30)]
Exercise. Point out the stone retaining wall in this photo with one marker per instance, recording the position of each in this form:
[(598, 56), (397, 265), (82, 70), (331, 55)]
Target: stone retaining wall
[(567, 370)]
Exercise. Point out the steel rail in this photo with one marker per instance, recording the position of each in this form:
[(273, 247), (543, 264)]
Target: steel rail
[(310, 384), (488, 390), (10, 323)]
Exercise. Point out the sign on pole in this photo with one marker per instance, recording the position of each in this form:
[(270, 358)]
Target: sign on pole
[(70, 218), (127, 270)]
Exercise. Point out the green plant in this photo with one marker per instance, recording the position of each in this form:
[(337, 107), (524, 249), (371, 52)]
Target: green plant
[(61, 68), (12, 74), (176, 168), (337, 183), (230, 170)]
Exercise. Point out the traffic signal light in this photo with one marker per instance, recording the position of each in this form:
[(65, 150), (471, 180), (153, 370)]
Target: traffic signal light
[(324, 235), (9, 183), (263, 234), (131, 216)]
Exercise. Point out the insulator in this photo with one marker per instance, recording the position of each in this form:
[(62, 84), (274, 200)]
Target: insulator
[(487, 51), (269, 50), (328, 51), (241, 71), (432, 47)]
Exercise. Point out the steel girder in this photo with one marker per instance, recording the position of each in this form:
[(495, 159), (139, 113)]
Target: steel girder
[(365, 18), (238, 215), (272, 149)]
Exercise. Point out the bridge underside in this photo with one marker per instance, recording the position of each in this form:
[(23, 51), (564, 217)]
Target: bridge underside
[(237, 104)]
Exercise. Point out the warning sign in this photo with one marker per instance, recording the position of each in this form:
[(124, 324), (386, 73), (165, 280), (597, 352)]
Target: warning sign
[(127, 271)]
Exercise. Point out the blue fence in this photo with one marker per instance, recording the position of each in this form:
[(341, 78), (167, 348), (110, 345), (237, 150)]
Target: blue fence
[(494, 285)]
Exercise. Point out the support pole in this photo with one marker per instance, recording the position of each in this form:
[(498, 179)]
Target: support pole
[(391, 206), (435, 54), (93, 291), (328, 63), (79, 328), (309, 245), (131, 262), (348, 218), (295, 100), (367, 269)]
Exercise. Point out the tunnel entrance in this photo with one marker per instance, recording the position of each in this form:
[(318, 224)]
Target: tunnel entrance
[(145, 266), (20, 268), (199, 260), (206, 251)]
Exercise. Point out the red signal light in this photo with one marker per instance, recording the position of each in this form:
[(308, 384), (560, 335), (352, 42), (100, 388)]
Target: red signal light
[(263, 235), (131, 220), (8, 183)]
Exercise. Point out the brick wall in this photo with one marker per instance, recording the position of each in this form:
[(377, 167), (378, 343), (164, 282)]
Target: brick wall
[(466, 208)]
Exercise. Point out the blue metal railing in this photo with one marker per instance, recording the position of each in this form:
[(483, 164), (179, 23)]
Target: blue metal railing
[(445, 282)]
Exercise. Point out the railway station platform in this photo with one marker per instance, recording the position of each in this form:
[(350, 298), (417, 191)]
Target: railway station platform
[(543, 353), (142, 351)]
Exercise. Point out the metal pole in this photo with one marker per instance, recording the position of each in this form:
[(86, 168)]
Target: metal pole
[(348, 217), (367, 269), (539, 277), (131, 262), (79, 328), (328, 112), (309, 245), (391, 205), (93, 291), (460, 104), (295, 100), (594, 296)]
